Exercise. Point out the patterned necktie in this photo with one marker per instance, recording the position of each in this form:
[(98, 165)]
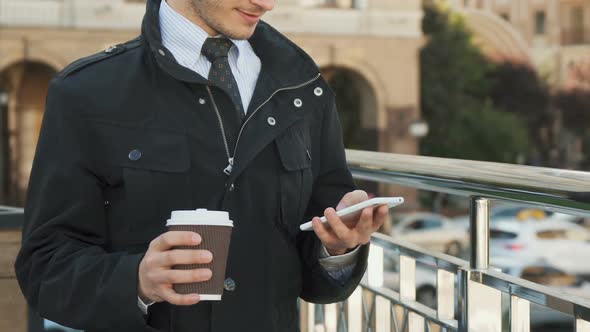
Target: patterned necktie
[(220, 75)]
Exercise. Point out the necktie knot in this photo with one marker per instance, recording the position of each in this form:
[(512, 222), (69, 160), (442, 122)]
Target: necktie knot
[(215, 48)]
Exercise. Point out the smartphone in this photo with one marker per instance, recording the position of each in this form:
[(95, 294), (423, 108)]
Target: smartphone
[(375, 202)]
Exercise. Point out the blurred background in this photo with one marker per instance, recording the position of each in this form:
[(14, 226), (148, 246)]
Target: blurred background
[(494, 80)]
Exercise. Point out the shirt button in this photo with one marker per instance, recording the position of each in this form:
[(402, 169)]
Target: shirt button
[(162, 53), (202, 101), (297, 102), (134, 155), (271, 121), (229, 285), (318, 91), (231, 187)]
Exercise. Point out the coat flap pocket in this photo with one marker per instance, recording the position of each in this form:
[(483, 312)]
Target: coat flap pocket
[(143, 148), (293, 146)]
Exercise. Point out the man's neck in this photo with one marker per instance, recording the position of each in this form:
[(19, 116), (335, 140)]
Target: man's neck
[(186, 9)]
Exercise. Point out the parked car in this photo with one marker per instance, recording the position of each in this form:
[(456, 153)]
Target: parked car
[(503, 211), (430, 231), (563, 245)]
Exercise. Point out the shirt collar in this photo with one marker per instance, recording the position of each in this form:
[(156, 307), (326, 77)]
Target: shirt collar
[(185, 39)]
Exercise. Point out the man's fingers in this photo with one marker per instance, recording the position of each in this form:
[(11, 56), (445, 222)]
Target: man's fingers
[(380, 217), (322, 231), (183, 256), (342, 231), (364, 225), (183, 276), (175, 238), (170, 296)]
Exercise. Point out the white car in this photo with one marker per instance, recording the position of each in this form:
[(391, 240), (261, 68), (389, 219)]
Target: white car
[(503, 211), (430, 231), (561, 244)]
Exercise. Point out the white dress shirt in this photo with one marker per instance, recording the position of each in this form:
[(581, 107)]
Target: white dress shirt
[(184, 40)]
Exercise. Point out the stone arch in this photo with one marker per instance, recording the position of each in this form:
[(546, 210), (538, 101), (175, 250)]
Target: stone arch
[(373, 79), (357, 103), (54, 61), (25, 83), (498, 39)]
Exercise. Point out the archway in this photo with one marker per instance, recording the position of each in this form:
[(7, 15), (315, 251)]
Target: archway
[(24, 86), (357, 108)]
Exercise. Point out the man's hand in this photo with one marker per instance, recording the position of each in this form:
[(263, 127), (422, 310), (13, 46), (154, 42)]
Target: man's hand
[(156, 275), (342, 234)]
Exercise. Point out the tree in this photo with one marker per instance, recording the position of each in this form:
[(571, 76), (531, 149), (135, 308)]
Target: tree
[(574, 106), (517, 88), (455, 96)]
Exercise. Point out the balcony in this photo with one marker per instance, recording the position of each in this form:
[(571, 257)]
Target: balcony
[(575, 36)]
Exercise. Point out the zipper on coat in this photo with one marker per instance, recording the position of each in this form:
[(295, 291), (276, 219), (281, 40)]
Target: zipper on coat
[(230, 158)]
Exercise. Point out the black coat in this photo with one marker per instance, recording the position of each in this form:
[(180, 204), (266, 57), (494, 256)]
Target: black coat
[(126, 139)]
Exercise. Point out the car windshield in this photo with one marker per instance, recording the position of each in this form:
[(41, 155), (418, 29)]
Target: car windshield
[(501, 235), (423, 224), (562, 234)]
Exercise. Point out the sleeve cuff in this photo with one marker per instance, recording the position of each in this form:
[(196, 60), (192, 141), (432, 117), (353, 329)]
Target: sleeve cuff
[(337, 263), (143, 306)]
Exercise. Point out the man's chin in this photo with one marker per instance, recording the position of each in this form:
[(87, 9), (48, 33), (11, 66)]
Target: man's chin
[(243, 34)]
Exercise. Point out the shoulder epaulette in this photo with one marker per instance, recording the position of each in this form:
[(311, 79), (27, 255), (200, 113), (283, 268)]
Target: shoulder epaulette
[(109, 52)]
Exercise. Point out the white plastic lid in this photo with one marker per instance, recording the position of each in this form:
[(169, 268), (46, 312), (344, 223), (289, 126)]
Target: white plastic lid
[(199, 217)]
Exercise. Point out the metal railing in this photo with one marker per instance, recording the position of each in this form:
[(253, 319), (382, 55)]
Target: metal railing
[(470, 296)]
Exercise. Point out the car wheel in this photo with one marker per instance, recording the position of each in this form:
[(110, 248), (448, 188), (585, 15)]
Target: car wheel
[(454, 249), (427, 296)]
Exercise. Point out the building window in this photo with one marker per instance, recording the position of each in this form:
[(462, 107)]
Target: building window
[(540, 23), (505, 16)]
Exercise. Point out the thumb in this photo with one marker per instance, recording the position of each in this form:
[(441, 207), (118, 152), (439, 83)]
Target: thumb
[(352, 198)]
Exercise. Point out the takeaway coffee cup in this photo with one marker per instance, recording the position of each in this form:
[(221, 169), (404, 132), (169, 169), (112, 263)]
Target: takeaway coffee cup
[(215, 229)]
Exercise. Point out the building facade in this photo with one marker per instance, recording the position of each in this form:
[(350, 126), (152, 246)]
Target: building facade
[(552, 35)]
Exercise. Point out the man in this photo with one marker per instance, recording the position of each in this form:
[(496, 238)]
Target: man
[(137, 131)]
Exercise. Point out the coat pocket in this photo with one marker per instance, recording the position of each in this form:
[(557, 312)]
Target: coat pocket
[(295, 176), (154, 164)]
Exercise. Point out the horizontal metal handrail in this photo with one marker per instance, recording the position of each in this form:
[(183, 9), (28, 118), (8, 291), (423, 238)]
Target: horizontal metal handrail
[(557, 190), (542, 295)]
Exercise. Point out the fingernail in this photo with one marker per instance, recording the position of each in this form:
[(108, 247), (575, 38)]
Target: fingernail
[(207, 256), (340, 206), (196, 238), (195, 297)]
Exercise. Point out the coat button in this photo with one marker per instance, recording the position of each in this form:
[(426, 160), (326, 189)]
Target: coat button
[(231, 187), (271, 121), (202, 101), (134, 155), (297, 102), (162, 53), (229, 285), (318, 91)]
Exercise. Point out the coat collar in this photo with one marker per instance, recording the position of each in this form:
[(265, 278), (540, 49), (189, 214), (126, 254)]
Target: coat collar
[(283, 63)]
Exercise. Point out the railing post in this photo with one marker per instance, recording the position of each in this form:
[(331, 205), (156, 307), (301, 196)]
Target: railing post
[(479, 222)]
